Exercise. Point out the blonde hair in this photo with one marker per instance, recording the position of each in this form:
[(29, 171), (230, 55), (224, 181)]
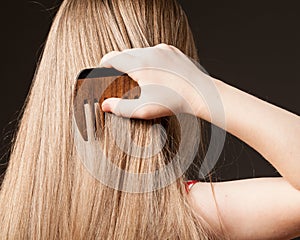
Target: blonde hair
[(47, 193)]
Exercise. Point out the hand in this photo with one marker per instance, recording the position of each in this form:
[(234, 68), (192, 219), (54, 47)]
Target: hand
[(168, 79)]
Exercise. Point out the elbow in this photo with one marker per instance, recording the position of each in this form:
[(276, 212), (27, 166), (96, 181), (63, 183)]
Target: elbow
[(295, 183), (297, 186)]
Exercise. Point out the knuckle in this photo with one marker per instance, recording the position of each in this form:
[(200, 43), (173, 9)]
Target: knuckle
[(174, 48), (109, 55), (144, 113), (127, 50), (164, 45), (112, 53)]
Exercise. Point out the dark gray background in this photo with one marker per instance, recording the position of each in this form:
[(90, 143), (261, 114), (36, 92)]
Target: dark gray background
[(253, 45)]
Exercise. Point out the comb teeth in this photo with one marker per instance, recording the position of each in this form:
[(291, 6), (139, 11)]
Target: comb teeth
[(92, 119), (90, 122)]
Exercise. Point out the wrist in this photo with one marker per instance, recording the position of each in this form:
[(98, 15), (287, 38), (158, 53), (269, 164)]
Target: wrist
[(205, 97)]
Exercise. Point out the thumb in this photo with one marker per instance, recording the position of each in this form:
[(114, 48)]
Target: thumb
[(129, 108)]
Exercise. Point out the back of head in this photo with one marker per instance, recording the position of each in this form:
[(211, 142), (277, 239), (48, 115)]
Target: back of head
[(48, 193)]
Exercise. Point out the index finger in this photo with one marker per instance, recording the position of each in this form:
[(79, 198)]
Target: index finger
[(122, 61)]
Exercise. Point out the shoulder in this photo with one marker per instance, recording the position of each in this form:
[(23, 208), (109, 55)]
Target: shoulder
[(250, 208)]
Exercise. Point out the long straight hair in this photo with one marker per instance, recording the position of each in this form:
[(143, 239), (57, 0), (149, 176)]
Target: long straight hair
[(47, 193)]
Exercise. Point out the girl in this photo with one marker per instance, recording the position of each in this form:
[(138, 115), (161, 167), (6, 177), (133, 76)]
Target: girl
[(47, 193)]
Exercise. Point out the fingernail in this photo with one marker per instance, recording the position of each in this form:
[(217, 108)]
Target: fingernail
[(105, 107)]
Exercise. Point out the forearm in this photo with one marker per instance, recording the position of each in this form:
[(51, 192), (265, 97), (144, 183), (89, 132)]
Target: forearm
[(270, 130)]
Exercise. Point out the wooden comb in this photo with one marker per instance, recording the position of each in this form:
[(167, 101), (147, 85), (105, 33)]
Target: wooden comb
[(93, 86)]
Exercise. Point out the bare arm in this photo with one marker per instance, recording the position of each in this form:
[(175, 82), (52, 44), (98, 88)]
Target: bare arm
[(254, 209), (272, 131)]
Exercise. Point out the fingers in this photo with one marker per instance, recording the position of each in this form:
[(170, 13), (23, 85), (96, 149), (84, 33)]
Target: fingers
[(157, 61), (130, 60), (124, 107), (121, 61), (138, 108), (106, 57)]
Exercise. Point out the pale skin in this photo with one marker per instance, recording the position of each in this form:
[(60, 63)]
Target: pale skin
[(258, 208)]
